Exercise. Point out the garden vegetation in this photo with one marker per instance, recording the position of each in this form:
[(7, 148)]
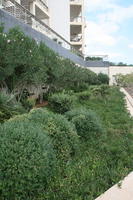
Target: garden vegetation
[(78, 146)]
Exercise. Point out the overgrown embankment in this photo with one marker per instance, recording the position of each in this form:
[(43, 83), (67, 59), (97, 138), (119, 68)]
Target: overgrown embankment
[(77, 147), (30, 71)]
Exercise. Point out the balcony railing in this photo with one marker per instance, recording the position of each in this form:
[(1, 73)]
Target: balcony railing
[(76, 19), (76, 1), (43, 2), (96, 57), (76, 38), (24, 15)]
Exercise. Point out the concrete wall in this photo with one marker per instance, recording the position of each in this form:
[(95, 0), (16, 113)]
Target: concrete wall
[(97, 70), (60, 17), (113, 70)]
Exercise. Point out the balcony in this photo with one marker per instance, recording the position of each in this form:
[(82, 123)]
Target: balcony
[(76, 19), (43, 4), (76, 2), (76, 38)]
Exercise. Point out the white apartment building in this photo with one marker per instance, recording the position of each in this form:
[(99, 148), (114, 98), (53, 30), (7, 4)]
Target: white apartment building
[(59, 17), (77, 24), (65, 17)]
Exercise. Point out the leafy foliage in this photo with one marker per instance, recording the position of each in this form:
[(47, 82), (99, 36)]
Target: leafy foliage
[(85, 95), (27, 161), (103, 78), (29, 143), (23, 63), (9, 106), (60, 130), (109, 155), (86, 121), (100, 91), (61, 102)]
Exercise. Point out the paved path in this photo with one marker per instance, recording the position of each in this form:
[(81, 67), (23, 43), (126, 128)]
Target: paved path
[(125, 191), (129, 101)]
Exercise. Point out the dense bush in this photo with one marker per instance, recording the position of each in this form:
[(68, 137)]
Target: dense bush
[(27, 161), (100, 91), (61, 102), (103, 78), (60, 130), (86, 121)]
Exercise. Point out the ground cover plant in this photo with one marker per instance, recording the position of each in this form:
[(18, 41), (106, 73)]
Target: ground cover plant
[(100, 161), (103, 160)]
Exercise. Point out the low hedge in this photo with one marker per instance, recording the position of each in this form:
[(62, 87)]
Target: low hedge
[(27, 161), (86, 122), (61, 102)]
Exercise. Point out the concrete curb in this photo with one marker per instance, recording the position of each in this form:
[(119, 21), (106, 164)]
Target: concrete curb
[(129, 101), (122, 192), (125, 190)]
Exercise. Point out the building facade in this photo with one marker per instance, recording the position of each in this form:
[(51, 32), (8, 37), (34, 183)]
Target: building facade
[(65, 17), (59, 17), (77, 24)]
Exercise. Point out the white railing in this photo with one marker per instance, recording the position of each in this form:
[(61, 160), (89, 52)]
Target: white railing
[(98, 57), (76, 38), (76, 1), (76, 19), (44, 4)]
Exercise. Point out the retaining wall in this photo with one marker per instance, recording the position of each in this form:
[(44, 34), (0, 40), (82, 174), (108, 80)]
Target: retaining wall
[(113, 70)]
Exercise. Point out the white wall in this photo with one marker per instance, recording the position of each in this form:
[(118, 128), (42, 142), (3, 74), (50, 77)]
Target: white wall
[(60, 17), (113, 70), (98, 70)]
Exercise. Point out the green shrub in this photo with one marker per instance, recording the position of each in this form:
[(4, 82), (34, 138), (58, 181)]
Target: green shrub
[(85, 95), (61, 102), (26, 161), (103, 78), (61, 131), (86, 121), (102, 90)]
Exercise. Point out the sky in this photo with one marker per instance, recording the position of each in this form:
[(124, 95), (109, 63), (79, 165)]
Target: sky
[(109, 29)]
